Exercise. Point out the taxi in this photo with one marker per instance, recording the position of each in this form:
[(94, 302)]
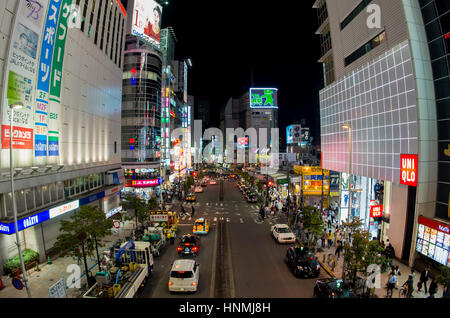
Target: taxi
[(201, 226), (190, 197)]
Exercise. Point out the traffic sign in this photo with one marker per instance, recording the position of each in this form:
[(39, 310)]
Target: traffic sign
[(116, 224), (17, 283)]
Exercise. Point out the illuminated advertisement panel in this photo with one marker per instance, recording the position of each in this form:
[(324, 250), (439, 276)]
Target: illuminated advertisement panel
[(263, 98), (242, 142), (289, 135), (433, 240), (146, 22)]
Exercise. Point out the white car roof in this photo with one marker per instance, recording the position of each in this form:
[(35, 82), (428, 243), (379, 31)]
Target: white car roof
[(183, 265), (281, 225)]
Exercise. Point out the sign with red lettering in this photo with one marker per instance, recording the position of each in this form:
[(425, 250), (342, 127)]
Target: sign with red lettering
[(408, 169), (376, 211), (143, 183), (22, 137)]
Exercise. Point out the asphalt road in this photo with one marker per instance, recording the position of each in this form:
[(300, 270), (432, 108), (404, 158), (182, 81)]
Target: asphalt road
[(238, 258)]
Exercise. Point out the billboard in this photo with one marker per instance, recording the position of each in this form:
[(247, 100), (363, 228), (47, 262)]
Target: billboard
[(289, 135), (242, 142), (433, 240), (146, 22), (263, 98)]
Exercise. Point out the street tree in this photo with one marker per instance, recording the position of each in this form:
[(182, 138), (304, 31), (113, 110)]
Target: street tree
[(361, 253), (313, 223), (79, 232), (136, 204), (100, 228)]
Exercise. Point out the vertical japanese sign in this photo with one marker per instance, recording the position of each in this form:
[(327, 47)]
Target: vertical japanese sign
[(20, 73), (55, 81), (43, 81)]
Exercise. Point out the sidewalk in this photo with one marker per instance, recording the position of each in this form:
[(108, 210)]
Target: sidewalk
[(40, 282), (326, 260)]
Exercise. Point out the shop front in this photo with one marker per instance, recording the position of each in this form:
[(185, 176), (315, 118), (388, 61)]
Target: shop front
[(367, 203), (143, 189), (312, 191)]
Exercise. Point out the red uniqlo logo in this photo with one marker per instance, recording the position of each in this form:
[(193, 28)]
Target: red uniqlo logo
[(408, 169), (376, 211)]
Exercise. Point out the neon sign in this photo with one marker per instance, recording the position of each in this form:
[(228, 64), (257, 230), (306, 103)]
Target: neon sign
[(263, 98)]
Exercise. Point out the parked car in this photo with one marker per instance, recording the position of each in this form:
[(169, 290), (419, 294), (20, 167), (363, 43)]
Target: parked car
[(332, 288), (184, 276), (282, 233), (302, 262), (212, 182), (189, 245)]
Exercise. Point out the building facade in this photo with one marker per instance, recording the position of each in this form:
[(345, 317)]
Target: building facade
[(381, 86), (66, 141)]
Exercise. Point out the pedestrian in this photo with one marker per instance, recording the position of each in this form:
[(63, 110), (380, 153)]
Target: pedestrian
[(193, 211), (272, 211), (433, 288), (262, 213), (330, 238), (391, 285), (338, 249), (410, 286), (423, 280), (324, 238), (329, 221)]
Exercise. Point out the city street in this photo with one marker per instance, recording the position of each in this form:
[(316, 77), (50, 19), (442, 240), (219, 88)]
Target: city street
[(251, 264)]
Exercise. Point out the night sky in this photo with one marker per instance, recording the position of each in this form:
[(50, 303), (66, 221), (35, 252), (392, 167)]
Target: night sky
[(227, 39)]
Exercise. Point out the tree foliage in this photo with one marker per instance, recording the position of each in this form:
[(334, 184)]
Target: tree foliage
[(361, 253), (312, 221), (81, 233), (138, 205)]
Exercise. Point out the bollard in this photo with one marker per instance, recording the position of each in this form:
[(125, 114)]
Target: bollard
[(49, 261), (37, 267)]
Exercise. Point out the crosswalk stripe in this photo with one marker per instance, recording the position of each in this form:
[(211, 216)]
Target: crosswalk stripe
[(228, 219), (242, 221), (215, 219), (221, 204)]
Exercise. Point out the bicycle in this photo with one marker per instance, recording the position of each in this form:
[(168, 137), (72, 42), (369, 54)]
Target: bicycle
[(403, 292)]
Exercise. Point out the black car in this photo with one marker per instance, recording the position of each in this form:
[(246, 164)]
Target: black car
[(302, 262), (251, 198), (332, 288), (189, 245)]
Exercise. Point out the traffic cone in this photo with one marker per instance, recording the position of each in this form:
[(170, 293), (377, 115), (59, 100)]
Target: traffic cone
[(49, 261)]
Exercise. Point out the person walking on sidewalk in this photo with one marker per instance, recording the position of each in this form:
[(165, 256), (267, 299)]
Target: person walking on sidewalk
[(330, 238), (391, 285), (433, 288), (338, 249), (324, 238), (329, 221), (423, 280), (193, 211)]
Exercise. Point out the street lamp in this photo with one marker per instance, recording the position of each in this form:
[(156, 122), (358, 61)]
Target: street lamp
[(347, 126), (12, 107)]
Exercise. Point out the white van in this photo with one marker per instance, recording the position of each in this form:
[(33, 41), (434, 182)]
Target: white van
[(184, 276)]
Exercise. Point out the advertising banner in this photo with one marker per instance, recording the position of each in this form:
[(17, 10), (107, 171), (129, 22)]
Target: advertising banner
[(376, 211), (56, 79), (21, 67), (22, 137), (263, 98), (146, 22), (334, 183), (433, 240), (43, 80)]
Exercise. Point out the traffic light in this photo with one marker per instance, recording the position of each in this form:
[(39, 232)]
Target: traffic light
[(270, 183), (194, 174)]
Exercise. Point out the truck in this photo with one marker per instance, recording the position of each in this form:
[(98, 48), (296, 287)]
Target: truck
[(168, 220), (122, 278), (156, 237)]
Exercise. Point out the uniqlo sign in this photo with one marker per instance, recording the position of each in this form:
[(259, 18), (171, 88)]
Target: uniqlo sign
[(376, 211), (22, 137), (409, 169)]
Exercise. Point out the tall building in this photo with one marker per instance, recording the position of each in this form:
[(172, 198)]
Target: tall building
[(66, 138), (386, 78)]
